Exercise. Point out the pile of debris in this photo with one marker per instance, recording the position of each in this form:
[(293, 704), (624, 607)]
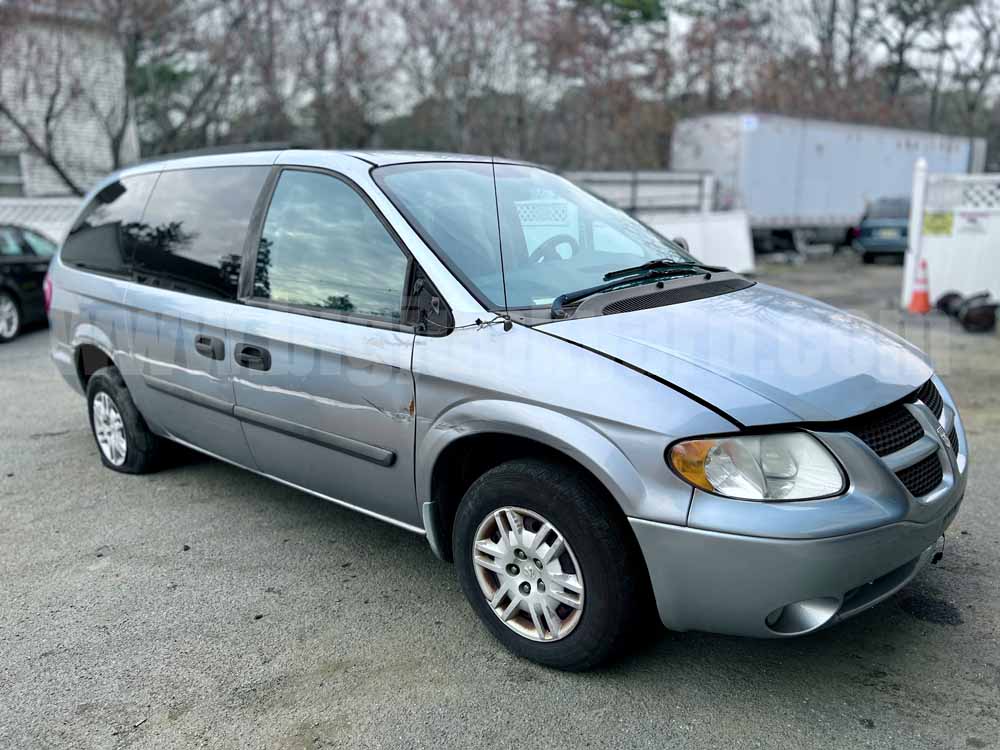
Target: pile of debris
[(977, 313)]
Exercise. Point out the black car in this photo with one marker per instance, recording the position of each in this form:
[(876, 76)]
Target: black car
[(24, 260)]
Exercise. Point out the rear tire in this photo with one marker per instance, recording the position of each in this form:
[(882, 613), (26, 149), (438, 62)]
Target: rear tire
[(867, 258), (600, 556), (10, 318), (124, 441)]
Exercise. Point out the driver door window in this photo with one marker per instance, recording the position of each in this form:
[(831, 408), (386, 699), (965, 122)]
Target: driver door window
[(322, 248)]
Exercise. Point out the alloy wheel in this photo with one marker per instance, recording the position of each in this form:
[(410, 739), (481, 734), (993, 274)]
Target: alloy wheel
[(528, 574), (109, 429), (9, 317)]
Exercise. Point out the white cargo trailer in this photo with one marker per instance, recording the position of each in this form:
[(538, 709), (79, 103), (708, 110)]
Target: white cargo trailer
[(804, 178)]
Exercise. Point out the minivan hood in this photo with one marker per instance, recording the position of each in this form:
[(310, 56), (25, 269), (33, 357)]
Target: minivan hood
[(761, 355)]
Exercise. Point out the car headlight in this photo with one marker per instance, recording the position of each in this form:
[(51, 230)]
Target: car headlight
[(782, 466)]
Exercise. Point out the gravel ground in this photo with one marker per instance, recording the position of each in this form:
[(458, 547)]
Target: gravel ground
[(206, 607)]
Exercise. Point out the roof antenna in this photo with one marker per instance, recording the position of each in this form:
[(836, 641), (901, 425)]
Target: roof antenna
[(507, 322)]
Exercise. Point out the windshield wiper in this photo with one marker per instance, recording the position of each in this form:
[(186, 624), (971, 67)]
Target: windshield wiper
[(638, 274), (663, 263)]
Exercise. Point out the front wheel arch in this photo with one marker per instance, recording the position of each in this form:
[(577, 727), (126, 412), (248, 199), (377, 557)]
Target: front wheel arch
[(467, 458)]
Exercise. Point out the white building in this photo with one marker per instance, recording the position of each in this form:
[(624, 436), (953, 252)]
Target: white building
[(62, 80)]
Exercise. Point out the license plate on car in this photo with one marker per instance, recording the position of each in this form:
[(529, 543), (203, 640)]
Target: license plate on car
[(887, 233)]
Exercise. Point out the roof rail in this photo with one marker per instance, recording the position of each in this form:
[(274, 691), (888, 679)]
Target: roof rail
[(233, 148)]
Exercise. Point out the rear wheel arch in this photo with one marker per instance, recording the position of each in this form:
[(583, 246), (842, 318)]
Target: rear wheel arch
[(89, 358)]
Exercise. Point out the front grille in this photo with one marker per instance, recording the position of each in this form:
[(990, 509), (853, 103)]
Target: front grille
[(893, 427), (888, 430), (923, 476), (929, 394)]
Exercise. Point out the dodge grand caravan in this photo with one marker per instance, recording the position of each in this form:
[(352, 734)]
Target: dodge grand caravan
[(574, 410)]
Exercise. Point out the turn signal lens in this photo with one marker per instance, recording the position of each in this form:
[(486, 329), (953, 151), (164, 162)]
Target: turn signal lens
[(784, 466), (688, 459)]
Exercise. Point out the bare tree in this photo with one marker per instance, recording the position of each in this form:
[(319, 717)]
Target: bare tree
[(142, 32), (37, 87), (856, 29), (823, 17), (185, 85), (901, 25), (349, 60), (722, 35), (976, 63), (596, 83)]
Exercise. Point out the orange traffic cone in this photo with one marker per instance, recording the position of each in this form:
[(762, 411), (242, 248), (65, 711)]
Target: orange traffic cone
[(920, 300)]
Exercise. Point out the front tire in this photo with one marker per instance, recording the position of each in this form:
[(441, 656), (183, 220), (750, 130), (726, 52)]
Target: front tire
[(549, 567), (124, 441), (10, 318)]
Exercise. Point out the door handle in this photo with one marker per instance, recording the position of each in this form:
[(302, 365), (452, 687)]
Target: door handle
[(209, 346), (253, 357)]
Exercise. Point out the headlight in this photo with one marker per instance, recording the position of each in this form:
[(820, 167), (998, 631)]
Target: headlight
[(783, 466)]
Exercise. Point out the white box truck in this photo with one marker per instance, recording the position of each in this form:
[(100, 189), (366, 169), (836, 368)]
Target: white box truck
[(805, 180)]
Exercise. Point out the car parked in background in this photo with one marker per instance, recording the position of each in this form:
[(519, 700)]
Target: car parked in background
[(24, 260), (589, 422), (883, 229)]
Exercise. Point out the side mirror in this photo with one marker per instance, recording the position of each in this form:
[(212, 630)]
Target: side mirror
[(682, 242)]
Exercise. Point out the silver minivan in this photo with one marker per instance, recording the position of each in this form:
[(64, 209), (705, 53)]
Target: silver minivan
[(590, 423)]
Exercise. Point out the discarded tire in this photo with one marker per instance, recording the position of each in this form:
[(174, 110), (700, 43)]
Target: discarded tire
[(978, 315), (949, 303)]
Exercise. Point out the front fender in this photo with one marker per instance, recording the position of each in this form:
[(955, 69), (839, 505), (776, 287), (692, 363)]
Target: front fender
[(572, 437)]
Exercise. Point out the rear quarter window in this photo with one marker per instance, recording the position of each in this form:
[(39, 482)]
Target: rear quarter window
[(194, 228), (104, 238), (40, 246), (889, 208), (9, 245)]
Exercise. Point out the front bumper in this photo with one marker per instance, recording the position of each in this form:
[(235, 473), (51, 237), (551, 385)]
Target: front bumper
[(880, 247), (781, 569), (725, 583)]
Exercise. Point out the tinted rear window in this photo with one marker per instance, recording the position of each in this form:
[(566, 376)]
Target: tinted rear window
[(105, 236), (194, 228), (889, 208)]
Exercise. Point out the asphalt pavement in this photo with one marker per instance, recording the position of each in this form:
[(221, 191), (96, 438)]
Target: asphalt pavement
[(204, 606)]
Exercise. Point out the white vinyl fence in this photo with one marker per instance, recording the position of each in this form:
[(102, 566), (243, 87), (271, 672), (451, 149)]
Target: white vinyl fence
[(679, 204), (955, 227), (650, 195), (718, 238)]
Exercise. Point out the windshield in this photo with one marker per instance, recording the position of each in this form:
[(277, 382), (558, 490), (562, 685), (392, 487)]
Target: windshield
[(556, 238)]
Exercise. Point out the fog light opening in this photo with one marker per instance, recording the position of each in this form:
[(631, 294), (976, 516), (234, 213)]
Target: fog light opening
[(804, 616), (772, 618)]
